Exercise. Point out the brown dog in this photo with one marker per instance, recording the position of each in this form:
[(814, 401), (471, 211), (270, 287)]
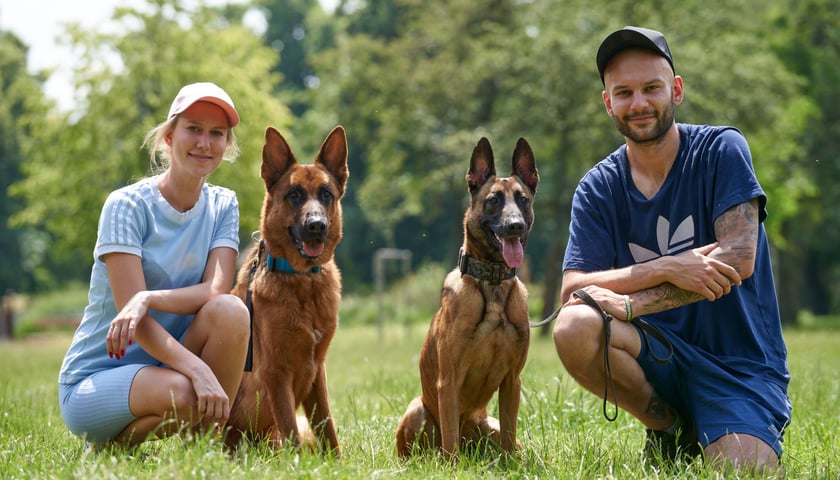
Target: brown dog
[(478, 340), (293, 285)]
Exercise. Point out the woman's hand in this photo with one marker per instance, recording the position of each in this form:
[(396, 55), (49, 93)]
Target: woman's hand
[(123, 326), (213, 402)]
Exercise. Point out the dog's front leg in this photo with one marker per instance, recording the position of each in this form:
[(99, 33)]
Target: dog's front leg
[(450, 424), (281, 401), (317, 408), (509, 392)]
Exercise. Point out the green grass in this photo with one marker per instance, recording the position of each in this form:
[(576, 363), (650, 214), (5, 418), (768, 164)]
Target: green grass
[(371, 379)]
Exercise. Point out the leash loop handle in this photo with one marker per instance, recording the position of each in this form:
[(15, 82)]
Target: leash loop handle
[(609, 384), (647, 330)]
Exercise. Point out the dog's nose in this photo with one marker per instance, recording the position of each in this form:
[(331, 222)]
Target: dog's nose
[(316, 225), (514, 228)]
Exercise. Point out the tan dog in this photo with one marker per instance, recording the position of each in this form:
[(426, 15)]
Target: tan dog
[(478, 340), (293, 285)]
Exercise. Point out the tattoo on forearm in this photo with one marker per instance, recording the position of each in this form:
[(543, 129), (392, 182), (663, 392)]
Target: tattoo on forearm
[(668, 296), (739, 227)]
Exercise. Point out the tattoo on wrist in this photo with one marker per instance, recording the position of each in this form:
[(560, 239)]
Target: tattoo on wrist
[(656, 408)]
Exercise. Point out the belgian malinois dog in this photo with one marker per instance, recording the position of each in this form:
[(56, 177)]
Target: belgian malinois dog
[(293, 287), (478, 340)]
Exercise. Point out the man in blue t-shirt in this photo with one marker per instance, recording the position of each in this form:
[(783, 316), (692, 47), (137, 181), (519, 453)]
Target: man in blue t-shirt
[(667, 231)]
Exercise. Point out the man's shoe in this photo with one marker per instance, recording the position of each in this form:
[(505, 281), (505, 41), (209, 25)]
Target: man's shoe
[(663, 446)]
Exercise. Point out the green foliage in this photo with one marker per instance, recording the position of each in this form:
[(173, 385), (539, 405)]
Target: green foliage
[(421, 90), (21, 104), (371, 380), (128, 80), (416, 83), (59, 309)]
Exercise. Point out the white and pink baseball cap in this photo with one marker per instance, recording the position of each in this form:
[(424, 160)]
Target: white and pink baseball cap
[(206, 92)]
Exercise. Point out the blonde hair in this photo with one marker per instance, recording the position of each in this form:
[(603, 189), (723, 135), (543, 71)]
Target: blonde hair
[(155, 141)]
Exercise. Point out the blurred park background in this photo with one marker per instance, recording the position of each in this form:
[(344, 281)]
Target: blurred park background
[(416, 83)]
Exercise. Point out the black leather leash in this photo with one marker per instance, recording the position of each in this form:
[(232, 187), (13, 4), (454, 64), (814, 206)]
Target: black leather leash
[(249, 359), (609, 384), (646, 328)]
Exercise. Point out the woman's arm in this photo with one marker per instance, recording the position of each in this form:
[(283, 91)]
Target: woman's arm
[(134, 301)]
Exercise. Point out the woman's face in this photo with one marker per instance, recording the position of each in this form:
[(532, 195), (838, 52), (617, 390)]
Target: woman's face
[(199, 140)]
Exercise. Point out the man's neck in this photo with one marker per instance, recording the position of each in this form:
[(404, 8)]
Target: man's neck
[(651, 162)]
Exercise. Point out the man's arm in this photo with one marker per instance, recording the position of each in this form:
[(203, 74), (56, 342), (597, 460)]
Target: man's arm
[(708, 272)]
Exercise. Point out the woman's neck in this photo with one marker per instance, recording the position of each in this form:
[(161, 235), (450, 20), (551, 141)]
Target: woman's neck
[(181, 193)]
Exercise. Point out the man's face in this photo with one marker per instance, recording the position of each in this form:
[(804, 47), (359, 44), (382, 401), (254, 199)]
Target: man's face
[(640, 94)]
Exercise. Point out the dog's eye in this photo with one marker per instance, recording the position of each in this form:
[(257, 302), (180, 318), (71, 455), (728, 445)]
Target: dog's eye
[(523, 200), (294, 195), (326, 195), (493, 200)]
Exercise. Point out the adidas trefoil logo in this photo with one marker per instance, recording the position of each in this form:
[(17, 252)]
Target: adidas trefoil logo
[(681, 240)]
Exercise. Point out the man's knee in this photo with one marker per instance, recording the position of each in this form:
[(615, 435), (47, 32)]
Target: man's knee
[(575, 329), (743, 452)]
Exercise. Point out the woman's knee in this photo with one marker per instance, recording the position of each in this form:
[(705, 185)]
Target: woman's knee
[(228, 314)]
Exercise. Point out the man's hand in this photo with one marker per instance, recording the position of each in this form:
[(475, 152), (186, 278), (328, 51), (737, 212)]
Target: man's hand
[(697, 272), (609, 301)]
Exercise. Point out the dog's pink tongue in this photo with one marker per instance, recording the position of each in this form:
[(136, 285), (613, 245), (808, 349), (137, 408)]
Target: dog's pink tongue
[(313, 249), (512, 252)]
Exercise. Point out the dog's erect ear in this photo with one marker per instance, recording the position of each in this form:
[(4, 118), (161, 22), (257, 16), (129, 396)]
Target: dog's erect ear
[(333, 156), (482, 166), (277, 157), (525, 165)]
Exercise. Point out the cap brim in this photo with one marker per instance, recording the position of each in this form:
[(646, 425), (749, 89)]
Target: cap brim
[(230, 112)]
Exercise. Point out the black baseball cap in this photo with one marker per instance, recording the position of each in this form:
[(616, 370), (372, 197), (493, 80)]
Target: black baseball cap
[(632, 37)]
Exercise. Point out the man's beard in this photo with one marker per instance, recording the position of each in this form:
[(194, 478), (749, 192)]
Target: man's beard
[(664, 120)]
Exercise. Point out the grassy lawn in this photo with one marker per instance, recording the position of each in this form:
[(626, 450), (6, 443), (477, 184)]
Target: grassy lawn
[(372, 377)]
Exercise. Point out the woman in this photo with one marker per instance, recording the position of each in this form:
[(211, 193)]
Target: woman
[(162, 344)]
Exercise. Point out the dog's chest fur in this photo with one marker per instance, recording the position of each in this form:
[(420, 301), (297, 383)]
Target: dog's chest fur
[(489, 328)]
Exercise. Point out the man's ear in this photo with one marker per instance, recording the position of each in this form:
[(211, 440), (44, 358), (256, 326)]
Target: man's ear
[(679, 92), (607, 103)]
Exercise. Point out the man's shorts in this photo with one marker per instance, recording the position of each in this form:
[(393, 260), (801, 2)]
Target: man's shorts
[(712, 392), (96, 408)]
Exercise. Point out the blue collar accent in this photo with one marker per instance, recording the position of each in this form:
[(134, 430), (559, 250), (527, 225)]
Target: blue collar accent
[(282, 265)]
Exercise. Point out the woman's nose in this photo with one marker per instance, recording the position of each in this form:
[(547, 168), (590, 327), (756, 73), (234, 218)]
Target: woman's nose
[(203, 140)]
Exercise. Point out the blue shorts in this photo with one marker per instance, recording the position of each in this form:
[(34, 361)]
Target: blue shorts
[(718, 398), (96, 408)]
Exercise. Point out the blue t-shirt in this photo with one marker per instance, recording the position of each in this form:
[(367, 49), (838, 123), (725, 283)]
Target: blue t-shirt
[(173, 247), (613, 225)]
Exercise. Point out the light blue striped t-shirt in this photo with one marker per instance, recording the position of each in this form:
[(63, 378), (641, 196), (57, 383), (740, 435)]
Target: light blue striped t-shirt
[(173, 247)]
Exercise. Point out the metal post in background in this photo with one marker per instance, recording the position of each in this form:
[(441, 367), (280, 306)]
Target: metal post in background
[(380, 258)]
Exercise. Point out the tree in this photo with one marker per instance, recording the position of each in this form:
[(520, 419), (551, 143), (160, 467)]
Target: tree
[(126, 82), (21, 102), (418, 94), (807, 39)]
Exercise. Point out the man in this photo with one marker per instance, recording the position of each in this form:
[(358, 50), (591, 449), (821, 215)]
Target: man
[(669, 228)]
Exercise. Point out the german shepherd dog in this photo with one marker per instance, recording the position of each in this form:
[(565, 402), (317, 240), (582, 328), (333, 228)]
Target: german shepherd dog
[(478, 340), (291, 282)]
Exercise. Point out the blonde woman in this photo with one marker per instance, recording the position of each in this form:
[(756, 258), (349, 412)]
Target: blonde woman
[(162, 344)]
